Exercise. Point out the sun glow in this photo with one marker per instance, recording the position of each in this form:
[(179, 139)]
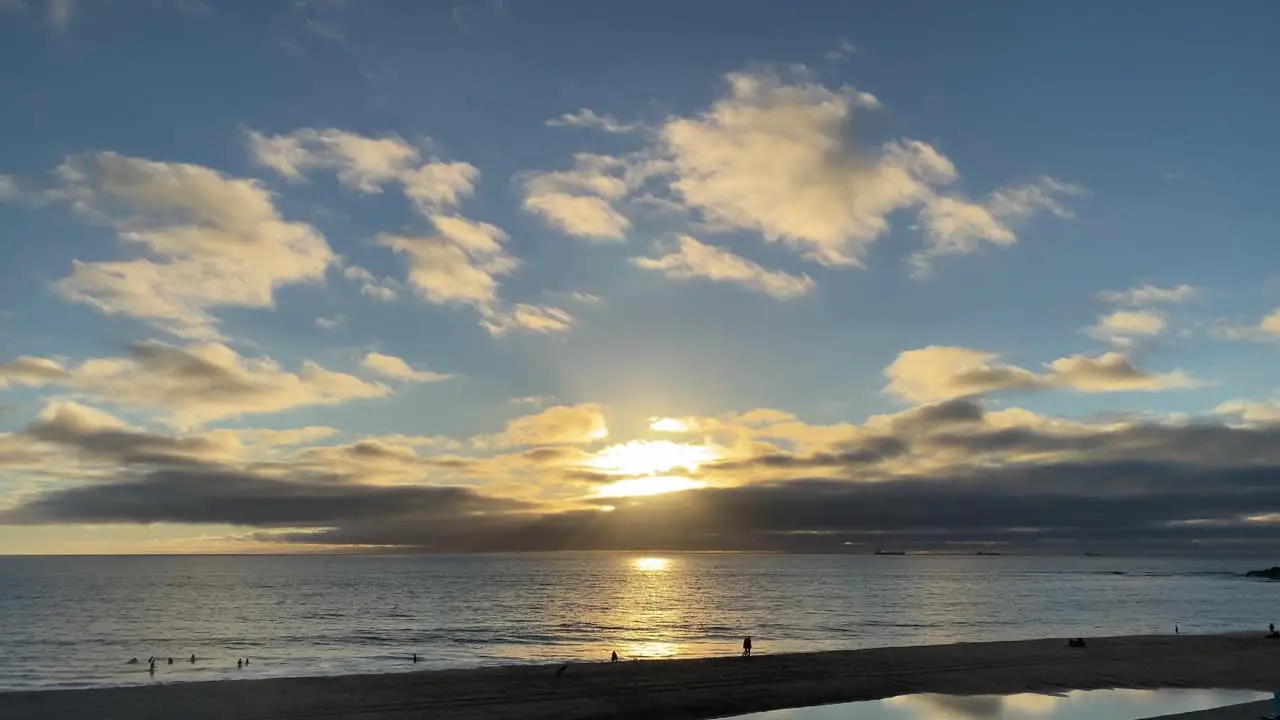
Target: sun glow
[(669, 425), (638, 487), (647, 457)]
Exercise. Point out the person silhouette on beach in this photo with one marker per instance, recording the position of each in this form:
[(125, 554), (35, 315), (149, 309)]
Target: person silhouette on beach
[(614, 657), (746, 646), (1272, 628), (415, 657), (239, 663), (170, 661), (152, 667), (246, 661), (193, 659), (1176, 631)]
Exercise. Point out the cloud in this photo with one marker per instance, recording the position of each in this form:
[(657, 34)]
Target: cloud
[(331, 323), (60, 12), (397, 369), (30, 372), (384, 289), (1121, 326), (559, 424), (955, 225), (1149, 295), (443, 273), (9, 188), (585, 118), (204, 240), (535, 318), (942, 373), (843, 50), (774, 155), (367, 164), (943, 475), (580, 202), (1112, 372), (693, 259), (200, 383)]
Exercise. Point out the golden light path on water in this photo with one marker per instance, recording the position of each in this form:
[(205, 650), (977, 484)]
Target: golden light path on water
[(655, 585)]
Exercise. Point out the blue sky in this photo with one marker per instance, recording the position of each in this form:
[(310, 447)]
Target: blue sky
[(590, 215)]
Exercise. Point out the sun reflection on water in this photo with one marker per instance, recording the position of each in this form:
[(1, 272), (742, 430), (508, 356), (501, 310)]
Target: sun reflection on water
[(651, 564)]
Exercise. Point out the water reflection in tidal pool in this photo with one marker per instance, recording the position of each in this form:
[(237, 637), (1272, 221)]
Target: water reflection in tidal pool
[(1073, 705)]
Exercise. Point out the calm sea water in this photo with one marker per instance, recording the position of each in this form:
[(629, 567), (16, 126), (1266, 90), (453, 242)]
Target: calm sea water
[(68, 622)]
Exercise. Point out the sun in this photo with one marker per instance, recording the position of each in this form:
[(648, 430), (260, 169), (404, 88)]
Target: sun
[(647, 462), (647, 457)]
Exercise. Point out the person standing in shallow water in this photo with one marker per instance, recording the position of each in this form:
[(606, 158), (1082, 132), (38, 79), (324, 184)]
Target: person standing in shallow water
[(746, 646), (614, 657)]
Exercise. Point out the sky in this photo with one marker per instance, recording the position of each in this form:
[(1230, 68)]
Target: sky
[(492, 275)]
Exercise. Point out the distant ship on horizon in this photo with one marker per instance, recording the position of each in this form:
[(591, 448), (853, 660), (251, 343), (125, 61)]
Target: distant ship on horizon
[(890, 552)]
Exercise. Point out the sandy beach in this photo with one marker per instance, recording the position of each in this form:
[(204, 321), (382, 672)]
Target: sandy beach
[(696, 688)]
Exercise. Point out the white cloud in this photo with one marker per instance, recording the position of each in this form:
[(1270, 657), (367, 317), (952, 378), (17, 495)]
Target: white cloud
[(955, 225), (535, 318), (1122, 326), (397, 369), (585, 118), (693, 259), (843, 50), (580, 202), (205, 241), (8, 188), (30, 372), (1270, 323), (774, 155), (204, 382), (942, 373), (1149, 295), (443, 273), (384, 289), (367, 164), (331, 323)]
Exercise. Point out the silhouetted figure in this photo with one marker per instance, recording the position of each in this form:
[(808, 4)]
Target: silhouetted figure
[(193, 659), (170, 661), (246, 661), (1271, 631), (132, 661), (1076, 643), (561, 670), (239, 663), (1271, 627), (1176, 631), (415, 657), (614, 656), (151, 668)]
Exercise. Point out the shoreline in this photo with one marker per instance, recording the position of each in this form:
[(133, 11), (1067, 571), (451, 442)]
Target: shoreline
[(689, 689)]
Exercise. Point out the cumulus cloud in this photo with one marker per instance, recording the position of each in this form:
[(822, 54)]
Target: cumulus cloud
[(693, 259), (581, 202), (204, 382), (585, 118), (955, 225), (397, 369), (559, 424), (384, 289), (942, 373), (204, 241), (1121, 326), (774, 155)]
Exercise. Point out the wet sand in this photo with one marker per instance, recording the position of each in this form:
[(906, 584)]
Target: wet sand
[(1247, 711), (690, 689)]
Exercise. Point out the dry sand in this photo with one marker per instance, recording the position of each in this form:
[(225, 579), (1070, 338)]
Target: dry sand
[(691, 689)]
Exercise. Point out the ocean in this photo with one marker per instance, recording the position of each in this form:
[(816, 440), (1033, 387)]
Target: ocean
[(74, 622)]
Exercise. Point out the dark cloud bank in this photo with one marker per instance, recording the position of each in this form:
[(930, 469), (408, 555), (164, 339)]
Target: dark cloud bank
[(1145, 488)]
